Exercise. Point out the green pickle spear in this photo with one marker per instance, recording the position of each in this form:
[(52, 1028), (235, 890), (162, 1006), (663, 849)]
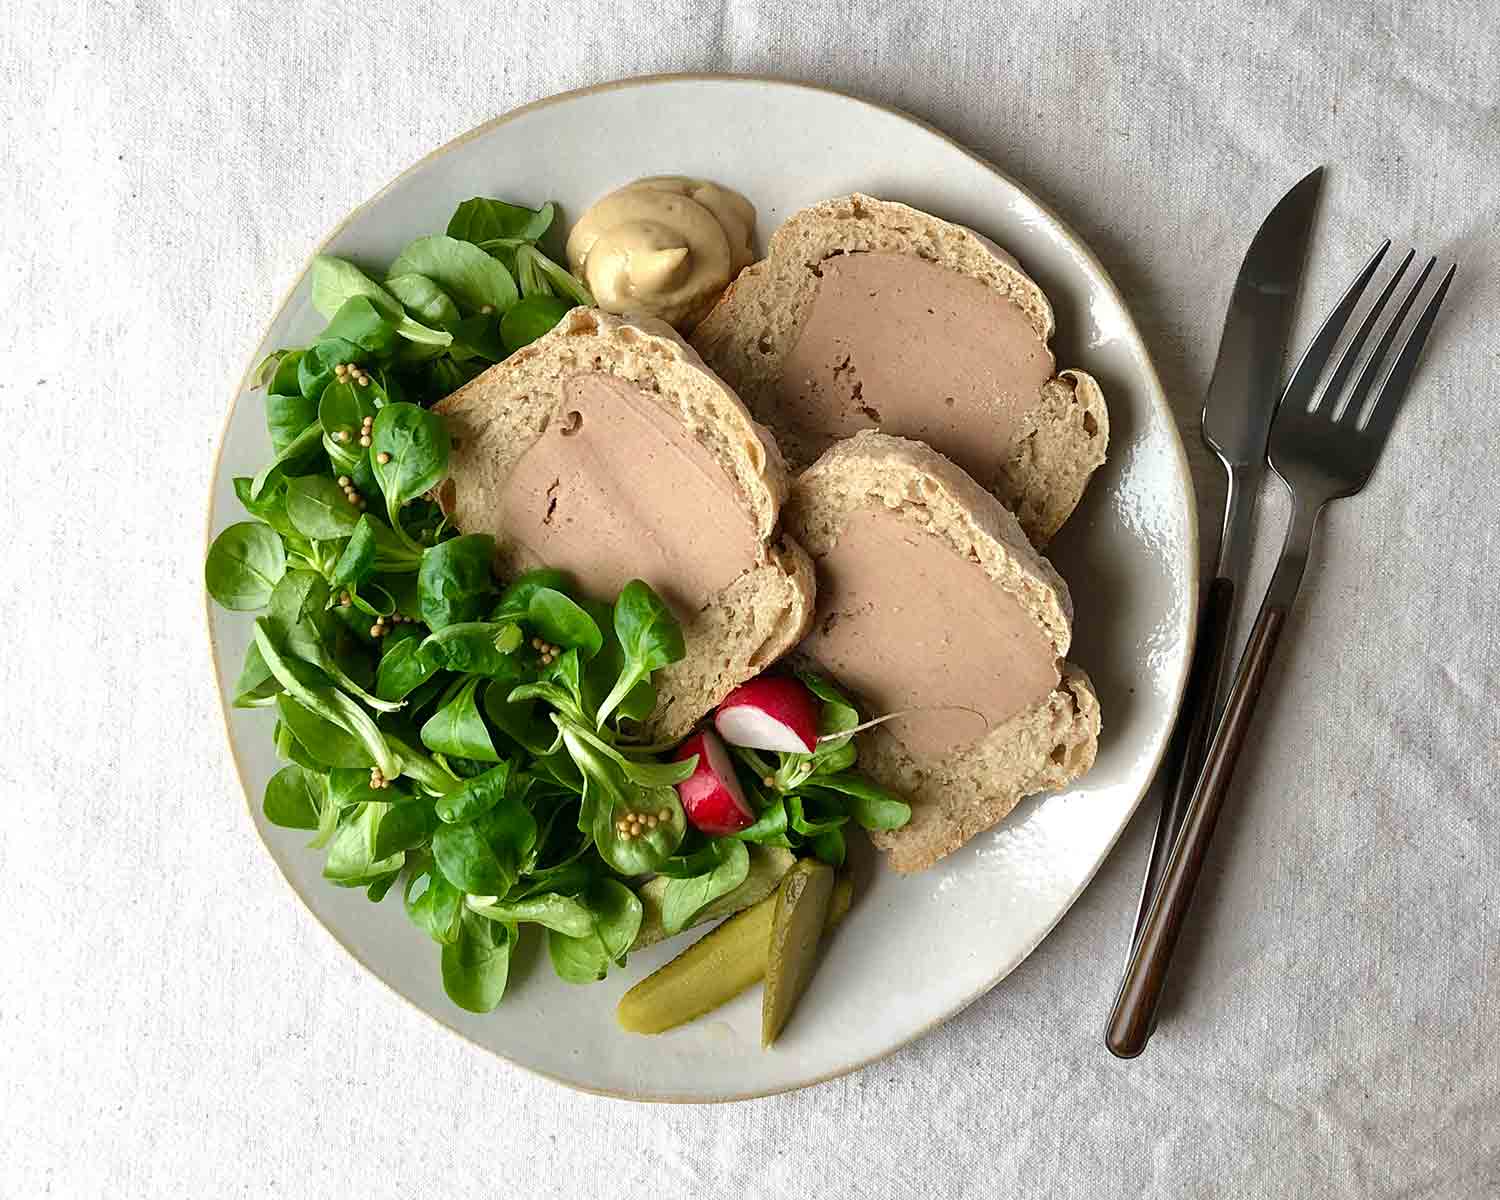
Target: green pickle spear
[(802, 905), (716, 968)]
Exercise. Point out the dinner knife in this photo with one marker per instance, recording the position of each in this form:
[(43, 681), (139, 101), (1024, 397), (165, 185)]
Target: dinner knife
[(1237, 414)]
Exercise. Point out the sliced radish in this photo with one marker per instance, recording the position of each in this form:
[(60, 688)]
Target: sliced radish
[(774, 712), (711, 795)]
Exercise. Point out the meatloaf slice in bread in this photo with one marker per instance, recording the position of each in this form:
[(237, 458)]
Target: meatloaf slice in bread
[(930, 599), (871, 315), (608, 450)]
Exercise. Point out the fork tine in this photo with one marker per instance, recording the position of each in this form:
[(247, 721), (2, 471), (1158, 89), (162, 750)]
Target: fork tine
[(1373, 364), (1397, 380), (1350, 358), (1300, 388)]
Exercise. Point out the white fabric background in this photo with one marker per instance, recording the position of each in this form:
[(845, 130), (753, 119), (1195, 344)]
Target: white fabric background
[(174, 1023)]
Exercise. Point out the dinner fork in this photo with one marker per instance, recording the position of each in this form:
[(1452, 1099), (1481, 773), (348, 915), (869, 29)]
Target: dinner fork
[(1322, 451)]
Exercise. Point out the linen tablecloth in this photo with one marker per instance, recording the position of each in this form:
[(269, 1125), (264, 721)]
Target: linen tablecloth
[(175, 1023)]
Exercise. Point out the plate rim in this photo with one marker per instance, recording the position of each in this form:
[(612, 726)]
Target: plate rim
[(1158, 399)]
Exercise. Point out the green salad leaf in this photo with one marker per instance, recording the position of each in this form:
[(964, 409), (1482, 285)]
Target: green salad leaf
[(341, 411), (519, 719), (564, 914), (540, 276), (457, 728), (480, 220), (871, 806), (649, 636), (469, 862), (372, 549), (359, 323), (475, 280), (308, 687), (454, 582), (289, 414), (410, 449), (563, 622), (323, 741), (336, 280), (803, 815), (403, 669), (293, 798), (475, 648), (356, 562), (615, 918), (300, 620), (476, 795), (424, 299), (269, 507), (483, 855), (515, 600), (476, 963), (256, 687), (371, 841), (685, 897), (828, 847), (295, 450), (318, 508), (433, 904), (245, 563)]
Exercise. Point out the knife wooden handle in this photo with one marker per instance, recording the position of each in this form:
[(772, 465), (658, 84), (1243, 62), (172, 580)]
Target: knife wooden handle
[(1190, 737), (1131, 1020)]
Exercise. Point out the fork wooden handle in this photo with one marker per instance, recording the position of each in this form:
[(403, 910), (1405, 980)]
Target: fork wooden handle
[(1131, 1019)]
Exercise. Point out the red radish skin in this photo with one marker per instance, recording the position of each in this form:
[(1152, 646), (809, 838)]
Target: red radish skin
[(711, 795), (773, 712)]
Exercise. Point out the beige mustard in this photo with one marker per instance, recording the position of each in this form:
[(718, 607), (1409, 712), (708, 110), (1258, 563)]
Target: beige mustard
[(665, 247)]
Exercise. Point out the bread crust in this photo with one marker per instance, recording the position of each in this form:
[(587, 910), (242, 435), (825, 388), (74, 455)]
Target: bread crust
[(955, 795), (749, 334)]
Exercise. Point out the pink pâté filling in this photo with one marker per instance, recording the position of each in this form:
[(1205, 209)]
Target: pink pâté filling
[(905, 622), (616, 489), (916, 350)]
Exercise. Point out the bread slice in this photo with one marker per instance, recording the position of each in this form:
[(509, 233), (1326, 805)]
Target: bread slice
[(961, 792), (1049, 444), (498, 416)]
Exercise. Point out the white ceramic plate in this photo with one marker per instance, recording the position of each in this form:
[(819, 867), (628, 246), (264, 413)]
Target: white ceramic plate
[(916, 950)]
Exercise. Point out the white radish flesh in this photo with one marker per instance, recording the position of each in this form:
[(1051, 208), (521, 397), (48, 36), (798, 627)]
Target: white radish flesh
[(770, 713)]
